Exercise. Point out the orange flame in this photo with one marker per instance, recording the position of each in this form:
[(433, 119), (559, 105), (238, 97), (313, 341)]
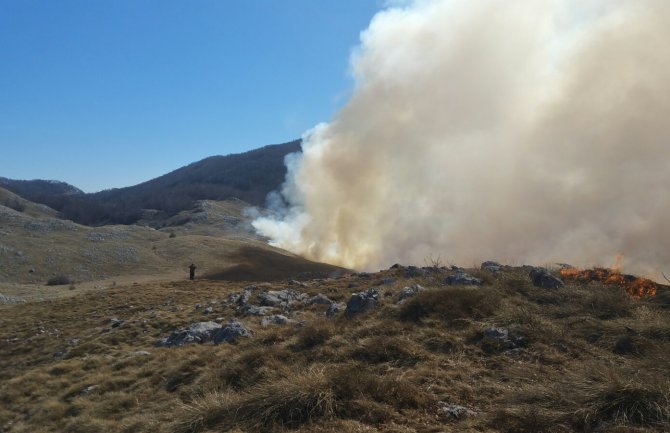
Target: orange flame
[(636, 287)]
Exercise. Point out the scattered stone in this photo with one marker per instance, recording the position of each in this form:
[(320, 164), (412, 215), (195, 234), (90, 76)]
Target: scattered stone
[(277, 319), (397, 266), (388, 280), (280, 298), (493, 267), (362, 302), (363, 275), (209, 310), (542, 278), (200, 332), (61, 353), (319, 299), (561, 346), (297, 283), (414, 272), (352, 285), (497, 333), (253, 310), (198, 306), (89, 389), (500, 339), (141, 353), (73, 342), (408, 292), (245, 297), (116, 322), (462, 279), (454, 412), (335, 308), (11, 300), (231, 332)]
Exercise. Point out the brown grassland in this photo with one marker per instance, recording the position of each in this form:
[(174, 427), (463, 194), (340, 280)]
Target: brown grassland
[(593, 360)]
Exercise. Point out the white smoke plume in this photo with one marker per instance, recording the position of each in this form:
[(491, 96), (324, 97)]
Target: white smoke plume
[(524, 131)]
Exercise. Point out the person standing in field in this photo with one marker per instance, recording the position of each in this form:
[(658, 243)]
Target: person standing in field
[(191, 270)]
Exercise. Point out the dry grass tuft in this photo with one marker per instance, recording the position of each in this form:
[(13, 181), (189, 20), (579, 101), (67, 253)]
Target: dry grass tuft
[(450, 304), (627, 402), (288, 402)]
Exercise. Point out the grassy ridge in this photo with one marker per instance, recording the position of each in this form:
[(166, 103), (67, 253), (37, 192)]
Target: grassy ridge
[(592, 359)]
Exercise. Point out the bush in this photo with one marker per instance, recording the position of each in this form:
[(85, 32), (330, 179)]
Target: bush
[(59, 280)]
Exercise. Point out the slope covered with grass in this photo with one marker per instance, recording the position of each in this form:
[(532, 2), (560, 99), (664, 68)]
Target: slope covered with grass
[(505, 356)]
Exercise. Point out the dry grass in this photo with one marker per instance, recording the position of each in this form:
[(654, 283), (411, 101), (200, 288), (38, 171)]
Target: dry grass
[(592, 360)]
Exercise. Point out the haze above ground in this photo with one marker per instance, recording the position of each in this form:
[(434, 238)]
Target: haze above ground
[(110, 94)]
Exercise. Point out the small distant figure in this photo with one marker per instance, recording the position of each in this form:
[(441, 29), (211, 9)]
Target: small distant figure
[(191, 270)]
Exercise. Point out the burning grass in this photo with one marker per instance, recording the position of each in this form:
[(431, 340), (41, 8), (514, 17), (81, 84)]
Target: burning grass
[(636, 287)]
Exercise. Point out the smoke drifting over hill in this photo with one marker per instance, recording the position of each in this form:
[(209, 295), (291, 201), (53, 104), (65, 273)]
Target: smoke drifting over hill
[(523, 131)]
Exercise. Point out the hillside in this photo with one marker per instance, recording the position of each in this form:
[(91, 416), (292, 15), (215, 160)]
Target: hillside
[(34, 190), (10, 200), (407, 354), (36, 247), (248, 176)]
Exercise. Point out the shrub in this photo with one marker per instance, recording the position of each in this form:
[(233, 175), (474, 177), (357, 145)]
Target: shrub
[(59, 280)]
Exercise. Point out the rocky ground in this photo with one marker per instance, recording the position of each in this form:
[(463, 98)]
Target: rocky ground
[(491, 349)]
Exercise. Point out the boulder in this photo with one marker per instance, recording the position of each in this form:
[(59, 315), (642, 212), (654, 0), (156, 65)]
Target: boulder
[(280, 298), (200, 332), (10, 300), (362, 302), (335, 308), (277, 319), (462, 279), (408, 292), (253, 310), (245, 297), (319, 300), (297, 283), (493, 267), (414, 272), (542, 278), (231, 332), (454, 412), (500, 339)]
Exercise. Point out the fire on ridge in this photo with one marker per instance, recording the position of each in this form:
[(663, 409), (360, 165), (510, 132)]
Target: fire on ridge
[(637, 287)]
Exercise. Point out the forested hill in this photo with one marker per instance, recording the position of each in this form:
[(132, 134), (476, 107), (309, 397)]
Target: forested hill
[(249, 176)]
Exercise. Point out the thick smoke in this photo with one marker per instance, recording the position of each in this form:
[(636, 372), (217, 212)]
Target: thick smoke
[(526, 131)]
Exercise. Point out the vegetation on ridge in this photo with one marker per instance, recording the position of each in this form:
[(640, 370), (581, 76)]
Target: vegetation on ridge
[(66, 366)]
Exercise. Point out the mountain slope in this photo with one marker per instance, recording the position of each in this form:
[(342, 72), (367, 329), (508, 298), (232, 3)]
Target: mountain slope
[(35, 189), (248, 176)]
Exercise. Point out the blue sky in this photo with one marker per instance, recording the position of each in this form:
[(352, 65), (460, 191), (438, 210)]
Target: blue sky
[(110, 93)]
